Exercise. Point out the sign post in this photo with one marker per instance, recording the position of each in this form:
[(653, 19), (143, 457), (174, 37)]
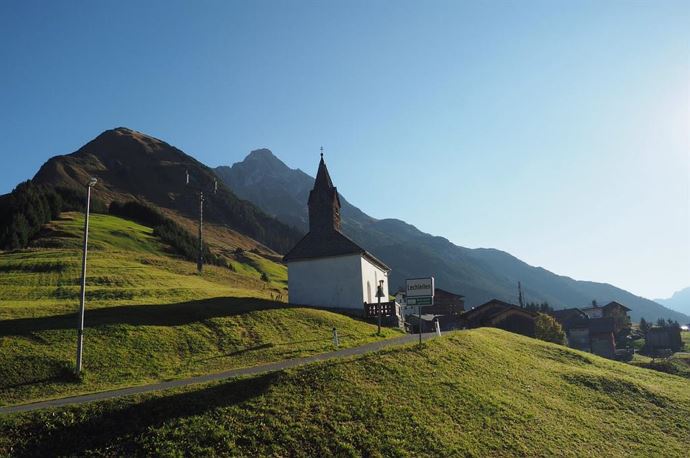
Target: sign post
[(420, 292)]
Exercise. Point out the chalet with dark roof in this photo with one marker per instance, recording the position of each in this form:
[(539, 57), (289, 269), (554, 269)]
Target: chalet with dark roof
[(326, 268), (500, 314)]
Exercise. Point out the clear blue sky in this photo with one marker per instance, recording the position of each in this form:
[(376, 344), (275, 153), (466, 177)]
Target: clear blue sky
[(555, 130)]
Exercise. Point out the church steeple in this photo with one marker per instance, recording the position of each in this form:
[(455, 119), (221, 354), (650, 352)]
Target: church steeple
[(324, 204)]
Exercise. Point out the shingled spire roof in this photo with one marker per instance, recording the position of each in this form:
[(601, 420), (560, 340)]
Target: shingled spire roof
[(323, 178)]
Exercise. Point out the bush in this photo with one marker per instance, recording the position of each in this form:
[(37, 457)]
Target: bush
[(548, 329)]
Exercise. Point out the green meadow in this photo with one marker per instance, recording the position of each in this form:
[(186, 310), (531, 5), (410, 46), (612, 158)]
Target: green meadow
[(149, 315), (483, 392)]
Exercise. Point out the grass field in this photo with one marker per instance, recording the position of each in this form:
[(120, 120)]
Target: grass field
[(126, 265), (471, 393), (149, 316)]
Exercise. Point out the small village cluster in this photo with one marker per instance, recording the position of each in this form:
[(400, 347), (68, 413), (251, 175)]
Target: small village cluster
[(328, 269)]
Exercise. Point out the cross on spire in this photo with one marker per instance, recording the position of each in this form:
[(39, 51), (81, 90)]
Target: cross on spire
[(322, 152)]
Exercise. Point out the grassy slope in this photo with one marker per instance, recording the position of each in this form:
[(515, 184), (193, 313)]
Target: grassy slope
[(149, 315), (126, 265), (481, 392)]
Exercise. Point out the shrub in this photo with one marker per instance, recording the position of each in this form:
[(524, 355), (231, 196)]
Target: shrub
[(548, 329)]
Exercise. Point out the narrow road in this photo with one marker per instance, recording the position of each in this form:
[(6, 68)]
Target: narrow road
[(254, 370)]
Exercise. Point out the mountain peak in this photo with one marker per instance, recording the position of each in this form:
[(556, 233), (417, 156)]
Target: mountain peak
[(260, 154), (262, 160)]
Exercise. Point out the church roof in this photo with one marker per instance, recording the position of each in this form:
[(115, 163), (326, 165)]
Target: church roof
[(324, 244), (323, 178)]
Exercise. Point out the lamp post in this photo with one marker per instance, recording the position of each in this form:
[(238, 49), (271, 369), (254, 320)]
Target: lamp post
[(200, 258), (80, 326), (379, 295)]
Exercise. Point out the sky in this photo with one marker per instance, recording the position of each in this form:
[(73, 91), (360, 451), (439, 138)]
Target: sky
[(558, 131)]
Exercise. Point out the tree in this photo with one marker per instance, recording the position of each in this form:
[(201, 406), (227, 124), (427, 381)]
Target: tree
[(548, 329), (644, 326), (661, 323)]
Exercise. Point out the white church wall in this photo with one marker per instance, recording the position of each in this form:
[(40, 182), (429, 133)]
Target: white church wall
[(327, 282), (371, 274)]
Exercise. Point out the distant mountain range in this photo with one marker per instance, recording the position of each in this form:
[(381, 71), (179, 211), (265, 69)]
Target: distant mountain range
[(479, 274), (680, 301)]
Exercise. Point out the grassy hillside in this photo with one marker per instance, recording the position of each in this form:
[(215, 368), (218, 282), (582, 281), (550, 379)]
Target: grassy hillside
[(127, 264), (478, 393), (149, 316)]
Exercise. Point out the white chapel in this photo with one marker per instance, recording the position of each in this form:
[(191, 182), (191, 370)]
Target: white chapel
[(326, 268)]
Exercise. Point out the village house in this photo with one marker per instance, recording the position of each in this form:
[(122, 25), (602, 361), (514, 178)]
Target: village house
[(615, 310), (326, 268), (499, 314), (597, 329)]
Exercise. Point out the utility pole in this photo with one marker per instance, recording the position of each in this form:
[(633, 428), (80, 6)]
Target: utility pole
[(200, 259), (200, 256), (80, 325)]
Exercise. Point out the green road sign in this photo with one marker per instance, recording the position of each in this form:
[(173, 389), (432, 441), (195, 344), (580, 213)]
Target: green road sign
[(420, 301)]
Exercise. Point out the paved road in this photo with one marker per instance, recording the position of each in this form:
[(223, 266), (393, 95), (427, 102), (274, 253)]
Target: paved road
[(280, 365)]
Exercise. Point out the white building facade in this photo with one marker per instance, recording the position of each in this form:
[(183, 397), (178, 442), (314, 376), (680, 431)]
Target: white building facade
[(326, 268), (343, 282)]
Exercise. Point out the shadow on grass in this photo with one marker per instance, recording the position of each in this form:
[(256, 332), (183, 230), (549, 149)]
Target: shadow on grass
[(49, 371), (111, 426), (146, 315)]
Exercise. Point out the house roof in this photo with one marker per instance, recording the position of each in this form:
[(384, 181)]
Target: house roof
[(492, 309), (492, 317), (324, 244), (443, 291), (614, 303), (570, 317), (610, 304)]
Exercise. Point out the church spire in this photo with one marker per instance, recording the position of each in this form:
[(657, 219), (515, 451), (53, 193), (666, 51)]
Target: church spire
[(324, 204)]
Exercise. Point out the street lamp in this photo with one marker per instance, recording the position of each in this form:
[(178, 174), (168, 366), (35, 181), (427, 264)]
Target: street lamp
[(379, 295), (80, 326)]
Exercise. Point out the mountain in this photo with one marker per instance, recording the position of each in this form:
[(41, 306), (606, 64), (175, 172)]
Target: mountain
[(479, 274), (680, 301), (131, 165)]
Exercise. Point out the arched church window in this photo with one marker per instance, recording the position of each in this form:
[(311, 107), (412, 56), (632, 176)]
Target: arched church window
[(368, 292)]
